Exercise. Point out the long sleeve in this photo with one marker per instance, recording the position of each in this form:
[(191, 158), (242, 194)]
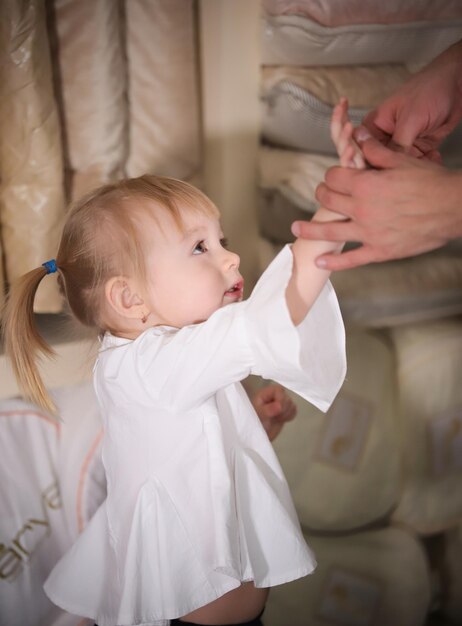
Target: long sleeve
[(182, 368)]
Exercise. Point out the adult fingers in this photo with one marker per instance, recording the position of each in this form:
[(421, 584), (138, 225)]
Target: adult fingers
[(435, 156), (413, 150), (369, 128), (331, 198), (326, 231), (408, 128), (339, 179), (381, 157), (346, 260)]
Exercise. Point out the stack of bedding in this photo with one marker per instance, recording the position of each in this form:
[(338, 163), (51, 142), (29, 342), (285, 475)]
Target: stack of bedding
[(381, 472)]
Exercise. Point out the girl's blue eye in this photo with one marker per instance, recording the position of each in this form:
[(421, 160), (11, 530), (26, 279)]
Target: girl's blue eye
[(224, 243), (200, 248)]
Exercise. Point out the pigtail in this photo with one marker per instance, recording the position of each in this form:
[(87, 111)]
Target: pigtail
[(23, 343), (101, 238)]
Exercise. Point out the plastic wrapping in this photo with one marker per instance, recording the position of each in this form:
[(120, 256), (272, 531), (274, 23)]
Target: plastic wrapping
[(2, 277), (93, 84), (163, 89), (339, 12), (298, 40), (31, 193)]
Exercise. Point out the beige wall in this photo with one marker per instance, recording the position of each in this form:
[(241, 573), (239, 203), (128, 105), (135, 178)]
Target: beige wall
[(229, 59)]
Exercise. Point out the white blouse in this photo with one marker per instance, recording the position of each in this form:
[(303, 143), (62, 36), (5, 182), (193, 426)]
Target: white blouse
[(197, 501)]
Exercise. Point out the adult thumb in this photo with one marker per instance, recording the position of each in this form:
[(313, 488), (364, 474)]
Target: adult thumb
[(406, 130), (379, 156)]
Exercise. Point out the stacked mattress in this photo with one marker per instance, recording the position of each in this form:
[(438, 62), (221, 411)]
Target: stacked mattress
[(378, 478)]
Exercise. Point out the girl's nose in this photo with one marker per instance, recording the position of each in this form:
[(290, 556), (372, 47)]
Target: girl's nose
[(232, 260)]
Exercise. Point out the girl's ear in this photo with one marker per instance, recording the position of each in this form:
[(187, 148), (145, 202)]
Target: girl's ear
[(122, 295)]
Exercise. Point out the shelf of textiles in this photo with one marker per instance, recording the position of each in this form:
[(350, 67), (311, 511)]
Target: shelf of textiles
[(381, 472)]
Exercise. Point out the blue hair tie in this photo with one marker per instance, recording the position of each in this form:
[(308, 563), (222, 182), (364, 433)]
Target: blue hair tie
[(50, 266)]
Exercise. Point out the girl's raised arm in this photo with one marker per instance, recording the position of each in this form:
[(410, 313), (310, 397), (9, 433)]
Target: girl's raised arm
[(308, 280)]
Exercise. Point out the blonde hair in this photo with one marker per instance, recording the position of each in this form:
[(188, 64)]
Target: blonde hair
[(102, 237)]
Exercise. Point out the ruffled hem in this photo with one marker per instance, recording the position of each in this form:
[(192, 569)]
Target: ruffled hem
[(155, 578), (272, 548), (161, 567)]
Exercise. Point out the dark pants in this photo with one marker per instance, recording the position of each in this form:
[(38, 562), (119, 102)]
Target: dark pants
[(253, 622)]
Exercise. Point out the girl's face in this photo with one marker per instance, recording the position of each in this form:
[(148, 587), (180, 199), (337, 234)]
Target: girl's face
[(191, 274)]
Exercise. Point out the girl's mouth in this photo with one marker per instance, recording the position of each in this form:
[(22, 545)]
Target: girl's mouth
[(236, 291)]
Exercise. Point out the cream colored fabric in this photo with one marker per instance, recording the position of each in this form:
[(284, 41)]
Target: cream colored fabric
[(365, 86), (298, 171), (296, 40), (297, 103), (429, 366), (78, 106), (406, 291), (31, 192), (378, 578), (287, 183), (339, 12), (163, 89), (344, 468), (93, 85)]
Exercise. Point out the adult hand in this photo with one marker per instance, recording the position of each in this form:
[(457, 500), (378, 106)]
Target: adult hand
[(406, 207), (274, 407), (421, 113)]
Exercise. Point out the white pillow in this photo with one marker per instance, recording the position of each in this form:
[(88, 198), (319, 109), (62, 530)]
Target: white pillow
[(339, 12), (425, 287), (298, 171), (297, 40), (374, 578), (297, 102), (343, 467), (429, 366)]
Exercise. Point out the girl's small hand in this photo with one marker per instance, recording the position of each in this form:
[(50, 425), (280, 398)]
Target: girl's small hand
[(274, 407), (341, 132)]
